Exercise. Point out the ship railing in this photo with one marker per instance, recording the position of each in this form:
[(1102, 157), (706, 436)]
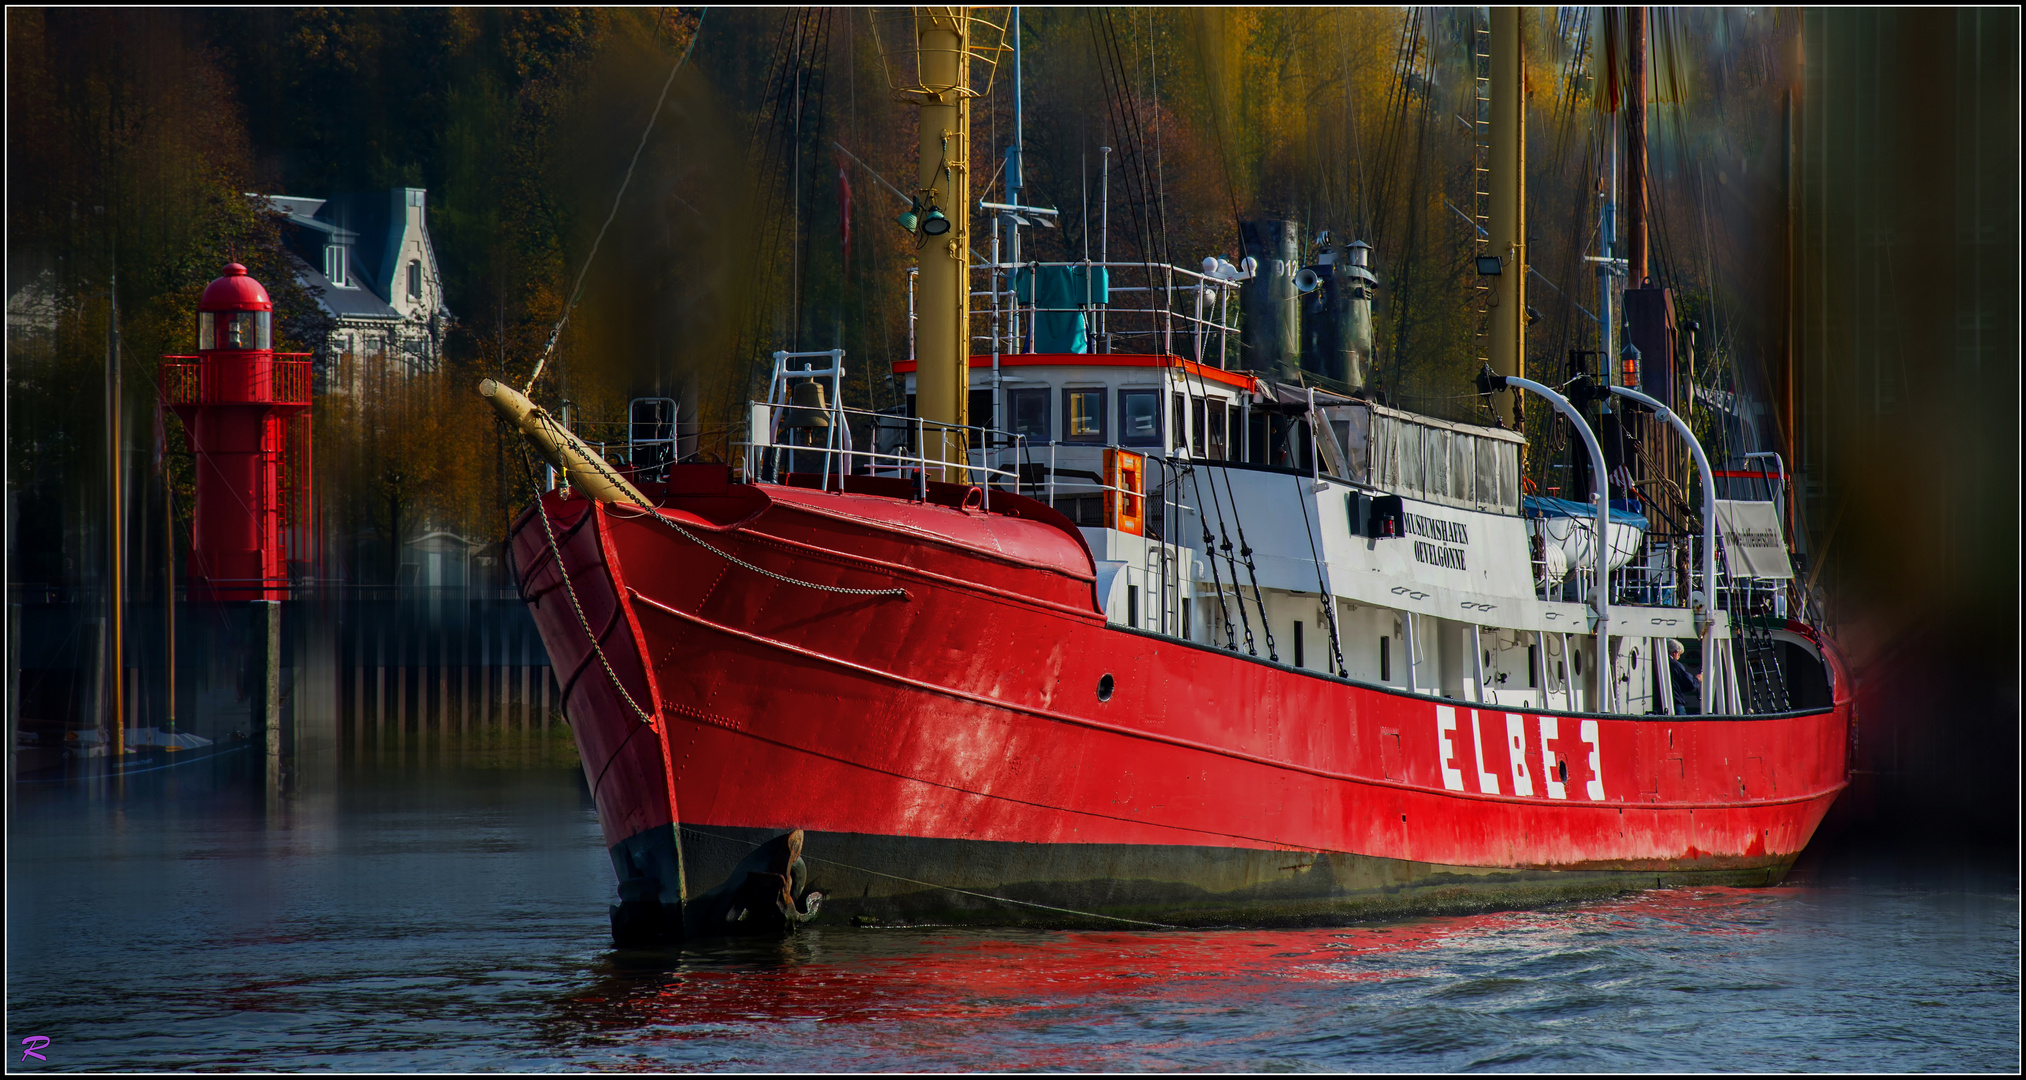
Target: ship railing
[(900, 446), (896, 446), (1170, 310), (1082, 494)]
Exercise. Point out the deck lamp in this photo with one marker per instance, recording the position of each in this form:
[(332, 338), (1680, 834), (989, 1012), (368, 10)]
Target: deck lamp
[(910, 218), (935, 224), (1628, 365), (1489, 266)]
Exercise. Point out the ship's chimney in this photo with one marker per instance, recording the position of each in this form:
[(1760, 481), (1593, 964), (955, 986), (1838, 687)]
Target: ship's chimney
[(1269, 301), (1355, 284)]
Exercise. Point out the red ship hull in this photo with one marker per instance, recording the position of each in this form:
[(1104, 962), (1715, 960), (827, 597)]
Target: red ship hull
[(963, 737)]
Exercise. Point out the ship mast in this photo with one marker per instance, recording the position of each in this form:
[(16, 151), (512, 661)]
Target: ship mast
[(1635, 149), (1508, 203), (943, 191)]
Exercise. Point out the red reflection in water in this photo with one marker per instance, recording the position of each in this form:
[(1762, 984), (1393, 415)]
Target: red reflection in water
[(967, 979), (868, 978)]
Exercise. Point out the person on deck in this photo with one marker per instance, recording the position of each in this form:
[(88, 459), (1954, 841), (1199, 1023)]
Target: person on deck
[(1687, 684)]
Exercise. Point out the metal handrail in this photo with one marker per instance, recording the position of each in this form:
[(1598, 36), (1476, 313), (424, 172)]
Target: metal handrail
[(1166, 318), (989, 459), (1600, 701)]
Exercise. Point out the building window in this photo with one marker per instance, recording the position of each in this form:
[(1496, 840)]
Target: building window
[(1083, 415), (1140, 417), (414, 280), (1027, 414), (334, 265)]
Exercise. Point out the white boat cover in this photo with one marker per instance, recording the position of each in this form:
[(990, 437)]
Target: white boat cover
[(1572, 526)]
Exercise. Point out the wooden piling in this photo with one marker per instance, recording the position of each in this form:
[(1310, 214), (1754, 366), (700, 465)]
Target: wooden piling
[(266, 658)]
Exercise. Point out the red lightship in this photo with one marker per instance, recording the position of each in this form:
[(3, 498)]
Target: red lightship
[(1164, 642)]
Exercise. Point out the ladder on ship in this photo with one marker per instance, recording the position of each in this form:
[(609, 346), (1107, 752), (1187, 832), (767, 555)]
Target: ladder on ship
[(1480, 166), (1765, 689), (1170, 565)]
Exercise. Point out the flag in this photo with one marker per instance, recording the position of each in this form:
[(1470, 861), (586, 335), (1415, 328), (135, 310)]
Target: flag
[(844, 207)]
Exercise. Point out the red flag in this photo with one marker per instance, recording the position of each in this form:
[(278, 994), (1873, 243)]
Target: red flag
[(844, 207)]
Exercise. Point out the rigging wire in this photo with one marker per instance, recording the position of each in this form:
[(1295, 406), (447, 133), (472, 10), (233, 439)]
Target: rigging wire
[(1198, 395), (765, 153), (1403, 321), (577, 292), (1364, 207), (1123, 117), (1201, 391), (1323, 594), (1197, 399), (1124, 120)]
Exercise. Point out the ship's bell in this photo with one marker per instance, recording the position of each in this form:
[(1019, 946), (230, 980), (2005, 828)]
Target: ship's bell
[(808, 409)]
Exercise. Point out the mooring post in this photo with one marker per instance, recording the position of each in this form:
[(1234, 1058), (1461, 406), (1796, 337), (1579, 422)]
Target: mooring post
[(266, 659), (101, 681), (13, 697)]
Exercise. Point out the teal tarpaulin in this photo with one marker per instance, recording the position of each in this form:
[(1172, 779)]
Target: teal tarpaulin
[(1058, 325)]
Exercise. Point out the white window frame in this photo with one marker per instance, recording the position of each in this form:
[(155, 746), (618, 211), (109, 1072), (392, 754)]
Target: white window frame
[(336, 268)]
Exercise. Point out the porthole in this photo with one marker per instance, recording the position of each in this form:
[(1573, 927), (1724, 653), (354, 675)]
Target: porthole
[(1104, 686)]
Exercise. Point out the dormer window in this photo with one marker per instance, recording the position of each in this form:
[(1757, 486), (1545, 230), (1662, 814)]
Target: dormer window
[(414, 280), (335, 265)]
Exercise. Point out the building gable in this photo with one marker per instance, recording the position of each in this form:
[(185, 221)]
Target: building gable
[(369, 260)]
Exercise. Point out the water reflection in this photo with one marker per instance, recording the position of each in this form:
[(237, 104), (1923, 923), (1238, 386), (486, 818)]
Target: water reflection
[(442, 907), (1598, 986)]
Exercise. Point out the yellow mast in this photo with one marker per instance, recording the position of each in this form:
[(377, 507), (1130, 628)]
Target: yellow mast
[(943, 334), (1508, 225)]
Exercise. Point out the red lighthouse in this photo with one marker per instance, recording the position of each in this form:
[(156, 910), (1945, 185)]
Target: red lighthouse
[(245, 412)]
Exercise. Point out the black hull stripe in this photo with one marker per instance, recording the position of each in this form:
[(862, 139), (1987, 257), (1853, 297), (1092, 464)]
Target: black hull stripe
[(881, 879)]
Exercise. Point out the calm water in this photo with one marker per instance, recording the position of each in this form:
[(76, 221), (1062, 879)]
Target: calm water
[(451, 916)]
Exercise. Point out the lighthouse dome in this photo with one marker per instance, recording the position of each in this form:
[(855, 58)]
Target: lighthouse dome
[(235, 292)]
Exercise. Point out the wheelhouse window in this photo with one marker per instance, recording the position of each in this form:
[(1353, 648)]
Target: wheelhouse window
[(1207, 440), (982, 425), (1027, 414), (1140, 417), (1083, 415), (1179, 419)]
